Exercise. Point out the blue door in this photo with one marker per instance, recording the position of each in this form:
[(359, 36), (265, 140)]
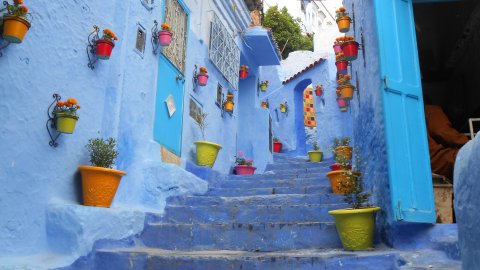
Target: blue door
[(170, 83), (407, 146)]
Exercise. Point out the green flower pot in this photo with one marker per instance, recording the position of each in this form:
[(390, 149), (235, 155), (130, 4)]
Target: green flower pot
[(356, 227), (207, 153), (315, 156), (65, 123)]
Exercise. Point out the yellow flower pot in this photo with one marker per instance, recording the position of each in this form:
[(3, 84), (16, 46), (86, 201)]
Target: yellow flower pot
[(344, 24), (228, 106), (356, 227), (14, 28), (315, 156), (207, 153), (263, 87), (345, 151), (283, 109), (65, 123), (99, 185), (347, 91)]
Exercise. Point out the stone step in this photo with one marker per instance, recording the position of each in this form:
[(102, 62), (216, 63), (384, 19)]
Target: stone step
[(148, 258), (263, 236), (256, 213), (248, 201), (235, 192), (262, 183), (288, 176), (298, 165)]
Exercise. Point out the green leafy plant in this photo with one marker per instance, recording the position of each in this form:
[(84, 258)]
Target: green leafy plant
[(275, 139), (353, 189), (16, 9), (201, 121), (102, 152), (241, 160), (315, 146), (344, 141)]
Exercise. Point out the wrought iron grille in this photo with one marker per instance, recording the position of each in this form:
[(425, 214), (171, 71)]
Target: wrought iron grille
[(178, 19), (224, 53)]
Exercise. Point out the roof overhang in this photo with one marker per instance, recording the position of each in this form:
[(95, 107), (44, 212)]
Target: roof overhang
[(259, 42)]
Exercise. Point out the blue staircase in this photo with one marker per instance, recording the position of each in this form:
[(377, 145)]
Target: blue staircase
[(278, 220)]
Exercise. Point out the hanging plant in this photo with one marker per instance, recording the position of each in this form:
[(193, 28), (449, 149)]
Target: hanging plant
[(228, 104), (264, 85), (345, 87), (105, 45), (243, 71), (337, 48), (202, 77), (343, 20), (165, 35), (319, 90), (341, 63), (66, 116), (283, 107), (265, 104), (349, 47), (15, 23)]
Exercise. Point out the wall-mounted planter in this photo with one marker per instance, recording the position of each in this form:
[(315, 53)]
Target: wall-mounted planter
[(346, 91), (164, 38), (103, 49), (264, 105), (245, 170), (277, 147), (356, 227), (344, 24), (65, 123), (318, 92), (263, 87), (350, 50), (99, 185), (229, 106), (342, 102), (283, 107), (337, 48), (342, 67), (207, 153), (14, 28), (202, 79), (243, 74), (315, 156)]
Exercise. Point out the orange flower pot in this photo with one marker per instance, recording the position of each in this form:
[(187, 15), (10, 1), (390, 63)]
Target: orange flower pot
[(228, 106), (341, 182), (99, 185), (345, 151), (347, 91), (14, 28), (344, 24)]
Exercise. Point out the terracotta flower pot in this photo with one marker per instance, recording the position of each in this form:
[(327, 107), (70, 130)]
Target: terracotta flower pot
[(347, 91), (344, 24), (350, 50), (341, 182), (229, 106), (342, 67), (277, 147), (245, 170), (104, 49), (345, 151), (14, 28), (264, 105), (243, 74), (202, 79), (164, 38), (99, 185)]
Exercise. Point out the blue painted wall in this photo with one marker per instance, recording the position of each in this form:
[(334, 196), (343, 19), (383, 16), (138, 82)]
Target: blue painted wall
[(118, 100)]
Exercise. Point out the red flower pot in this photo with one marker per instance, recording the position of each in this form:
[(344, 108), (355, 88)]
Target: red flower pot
[(336, 167), (244, 169), (341, 67), (243, 74), (318, 92), (350, 50), (164, 38), (202, 79), (277, 147), (104, 49)]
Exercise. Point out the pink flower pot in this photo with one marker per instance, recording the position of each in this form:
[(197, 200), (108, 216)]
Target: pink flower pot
[(202, 79), (342, 102), (164, 38), (244, 169), (337, 48)]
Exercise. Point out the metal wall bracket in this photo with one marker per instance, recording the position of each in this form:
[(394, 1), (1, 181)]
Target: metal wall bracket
[(92, 43), (4, 44), (195, 79), (154, 39), (51, 127)]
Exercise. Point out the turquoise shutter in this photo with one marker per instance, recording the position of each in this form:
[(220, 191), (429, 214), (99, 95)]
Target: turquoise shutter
[(407, 145)]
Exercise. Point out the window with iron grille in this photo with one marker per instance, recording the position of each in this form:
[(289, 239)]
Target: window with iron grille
[(224, 53)]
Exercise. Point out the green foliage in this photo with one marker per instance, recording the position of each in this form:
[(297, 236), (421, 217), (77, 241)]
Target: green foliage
[(353, 189), (287, 31), (315, 146), (102, 152), (275, 139), (201, 121)]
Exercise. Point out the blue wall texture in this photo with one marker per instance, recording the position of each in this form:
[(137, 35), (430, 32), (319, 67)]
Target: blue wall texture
[(39, 185)]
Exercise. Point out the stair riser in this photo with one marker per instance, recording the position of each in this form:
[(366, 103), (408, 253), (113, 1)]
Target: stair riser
[(140, 261), (274, 183), (281, 176), (232, 192), (247, 237), (299, 165), (222, 214), (252, 201)]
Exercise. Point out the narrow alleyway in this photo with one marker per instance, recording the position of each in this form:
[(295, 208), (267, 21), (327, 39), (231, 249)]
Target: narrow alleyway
[(278, 220)]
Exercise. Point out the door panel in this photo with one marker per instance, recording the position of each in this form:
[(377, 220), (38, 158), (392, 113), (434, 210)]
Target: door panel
[(168, 127), (407, 146)]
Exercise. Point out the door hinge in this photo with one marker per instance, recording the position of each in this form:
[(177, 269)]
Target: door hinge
[(385, 85), (399, 211)]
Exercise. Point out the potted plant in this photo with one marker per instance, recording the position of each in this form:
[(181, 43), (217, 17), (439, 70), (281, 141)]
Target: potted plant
[(341, 63), (15, 23), (105, 45), (202, 77), (345, 86), (277, 145), (206, 151), (265, 104), (228, 104), (356, 225), (319, 90), (342, 176), (243, 166), (315, 155), (66, 115), (341, 146), (164, 35), (100, 181), (283, 107), (349, 47), (243, 71), (343, 20), (263, 85)]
